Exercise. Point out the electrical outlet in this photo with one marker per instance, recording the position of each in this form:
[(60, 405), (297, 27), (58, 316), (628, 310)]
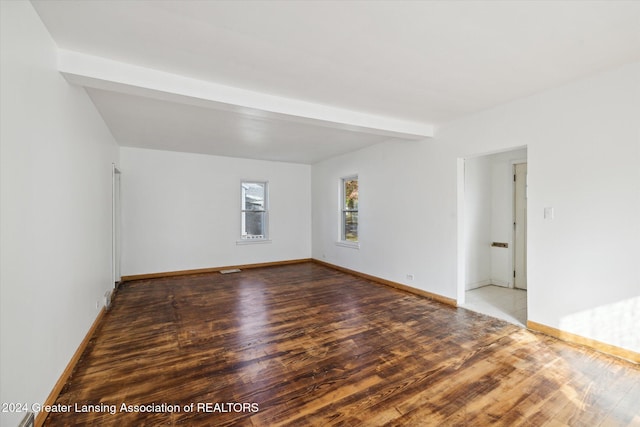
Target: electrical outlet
[(98, 304), (548, 213), (409, 276)]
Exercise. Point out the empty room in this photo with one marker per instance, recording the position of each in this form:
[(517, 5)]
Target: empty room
[(265, 213)]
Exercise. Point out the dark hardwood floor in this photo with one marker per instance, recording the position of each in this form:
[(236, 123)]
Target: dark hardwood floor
[(307, 345)]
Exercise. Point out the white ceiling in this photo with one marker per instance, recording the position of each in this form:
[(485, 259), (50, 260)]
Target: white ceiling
[(149, 123), (419, 62)]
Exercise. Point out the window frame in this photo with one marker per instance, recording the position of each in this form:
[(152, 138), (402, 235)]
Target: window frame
[(344, 210), (254, 238)]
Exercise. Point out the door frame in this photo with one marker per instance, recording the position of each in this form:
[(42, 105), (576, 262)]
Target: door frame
[(513, 239), (461, 254), (116, 224)]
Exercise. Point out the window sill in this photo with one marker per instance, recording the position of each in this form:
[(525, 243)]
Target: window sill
[(252, 241), (352, 245)]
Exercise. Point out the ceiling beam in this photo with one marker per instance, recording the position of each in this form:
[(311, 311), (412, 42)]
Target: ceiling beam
[(101, 73)]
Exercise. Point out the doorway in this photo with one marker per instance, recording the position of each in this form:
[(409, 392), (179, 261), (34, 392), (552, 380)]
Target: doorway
[(115, 226), (492, 259)]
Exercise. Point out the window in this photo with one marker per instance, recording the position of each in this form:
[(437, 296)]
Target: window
[(349, 220), (254, 212)]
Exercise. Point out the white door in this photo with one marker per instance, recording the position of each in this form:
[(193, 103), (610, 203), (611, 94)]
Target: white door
[(520, 226)]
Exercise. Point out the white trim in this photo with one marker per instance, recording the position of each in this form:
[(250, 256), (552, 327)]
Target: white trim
[(480, 284), (253, 241), (347, 244), (341, 236), (116, 226), (265, 210), (512, 252), (501, 283), (461, 255)]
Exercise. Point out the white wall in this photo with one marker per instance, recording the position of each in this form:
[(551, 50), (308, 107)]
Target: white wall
[(478, 197), (56, 157), (406, 214), (182, 211), (583, 144)]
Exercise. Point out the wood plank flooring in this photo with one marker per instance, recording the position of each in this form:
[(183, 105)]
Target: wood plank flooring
[(307, 345)]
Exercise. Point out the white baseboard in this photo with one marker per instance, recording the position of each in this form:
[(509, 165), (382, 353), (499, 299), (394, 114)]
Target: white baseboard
[(503, 283), (495, 282), (476, 285)]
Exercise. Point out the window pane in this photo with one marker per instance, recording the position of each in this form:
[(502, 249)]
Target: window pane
[(253, 223), (253, 196), (351, 194), (351, 226)]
